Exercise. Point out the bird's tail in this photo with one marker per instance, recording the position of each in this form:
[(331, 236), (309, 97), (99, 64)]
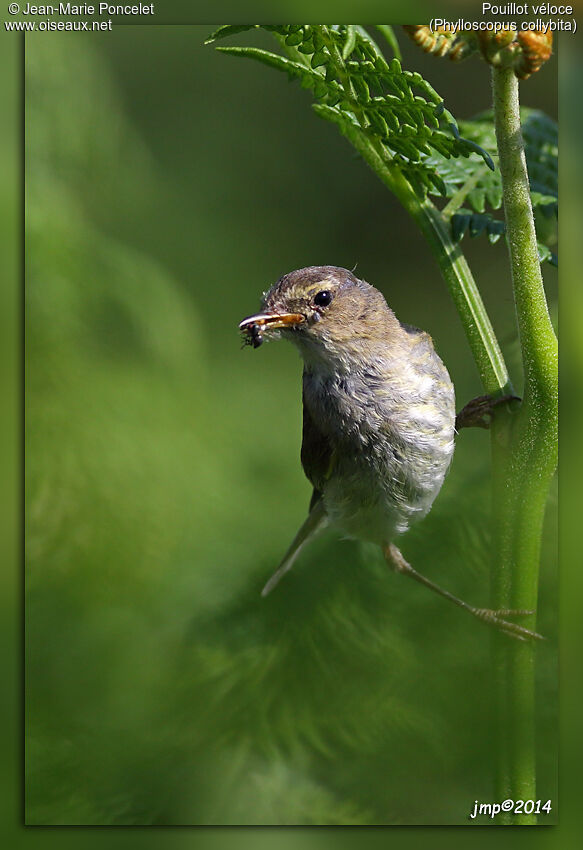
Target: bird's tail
[(315, 522)]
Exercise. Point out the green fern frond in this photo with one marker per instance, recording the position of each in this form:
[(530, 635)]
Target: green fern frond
[(465, 221), (481, 189), (399, 112), (359, 90)]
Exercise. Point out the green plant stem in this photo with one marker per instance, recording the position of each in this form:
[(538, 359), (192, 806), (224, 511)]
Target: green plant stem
[(524, 455)]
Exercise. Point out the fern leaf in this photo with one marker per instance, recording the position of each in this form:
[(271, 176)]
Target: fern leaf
[(228, 30), (273, 60), (365, 95), (348, 74)]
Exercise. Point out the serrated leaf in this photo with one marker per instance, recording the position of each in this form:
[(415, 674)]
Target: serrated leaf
[(362, 89), (350, 42), (405, 148), (438, 183), (392, 120), (439, 145), (330, 74), (477, 198), (317, 38), (320, 88), (379, 124), (227, 30), (459, 225), (273, 60), (307, 47), (319, 58), (416, 181), (478, 224)]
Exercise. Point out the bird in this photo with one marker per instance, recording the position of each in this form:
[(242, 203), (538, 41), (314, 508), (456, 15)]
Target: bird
[(379, 417)]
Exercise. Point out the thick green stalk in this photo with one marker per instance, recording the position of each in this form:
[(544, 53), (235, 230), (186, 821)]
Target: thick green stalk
[(524, 453)]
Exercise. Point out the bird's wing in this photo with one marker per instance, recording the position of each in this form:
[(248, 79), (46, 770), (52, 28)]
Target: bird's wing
[(317, 453), (316, 496), (318, 462), (316, 520)]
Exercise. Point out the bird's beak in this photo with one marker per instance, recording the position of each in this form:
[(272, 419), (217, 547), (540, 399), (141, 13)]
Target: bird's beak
[(271, 321)]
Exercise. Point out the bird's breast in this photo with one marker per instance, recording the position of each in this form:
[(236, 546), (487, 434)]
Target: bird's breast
[(392, 435)]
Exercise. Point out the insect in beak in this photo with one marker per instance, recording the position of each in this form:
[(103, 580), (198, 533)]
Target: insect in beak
[(254, 326)]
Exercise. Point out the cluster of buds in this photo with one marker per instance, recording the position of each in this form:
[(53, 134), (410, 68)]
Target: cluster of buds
[(524, 51)]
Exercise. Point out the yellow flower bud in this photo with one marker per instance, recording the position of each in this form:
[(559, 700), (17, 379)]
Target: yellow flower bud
[(525, 52)]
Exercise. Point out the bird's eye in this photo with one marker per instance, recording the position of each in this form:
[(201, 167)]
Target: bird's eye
[(323, 298)]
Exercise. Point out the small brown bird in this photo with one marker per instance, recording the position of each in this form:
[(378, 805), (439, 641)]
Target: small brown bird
[(379, 414)]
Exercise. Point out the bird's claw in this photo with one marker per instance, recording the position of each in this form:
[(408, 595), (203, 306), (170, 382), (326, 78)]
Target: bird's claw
[(478, 412), (496, 618)]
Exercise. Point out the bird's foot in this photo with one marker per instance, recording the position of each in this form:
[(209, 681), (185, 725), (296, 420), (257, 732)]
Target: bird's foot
[(497, 618), (397, 561), (478, 412)]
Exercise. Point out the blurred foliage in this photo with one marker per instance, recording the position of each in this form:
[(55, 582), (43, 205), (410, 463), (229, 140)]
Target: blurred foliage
[(163, 479)]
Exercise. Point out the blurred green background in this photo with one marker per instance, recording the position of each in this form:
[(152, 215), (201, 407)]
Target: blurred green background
[(166, 187)]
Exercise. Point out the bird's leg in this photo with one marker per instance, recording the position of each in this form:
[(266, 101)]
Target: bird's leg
[(479, 411), (396, 560)]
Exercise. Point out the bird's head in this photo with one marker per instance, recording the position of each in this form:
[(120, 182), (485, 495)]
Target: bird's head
[(326, 311)]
